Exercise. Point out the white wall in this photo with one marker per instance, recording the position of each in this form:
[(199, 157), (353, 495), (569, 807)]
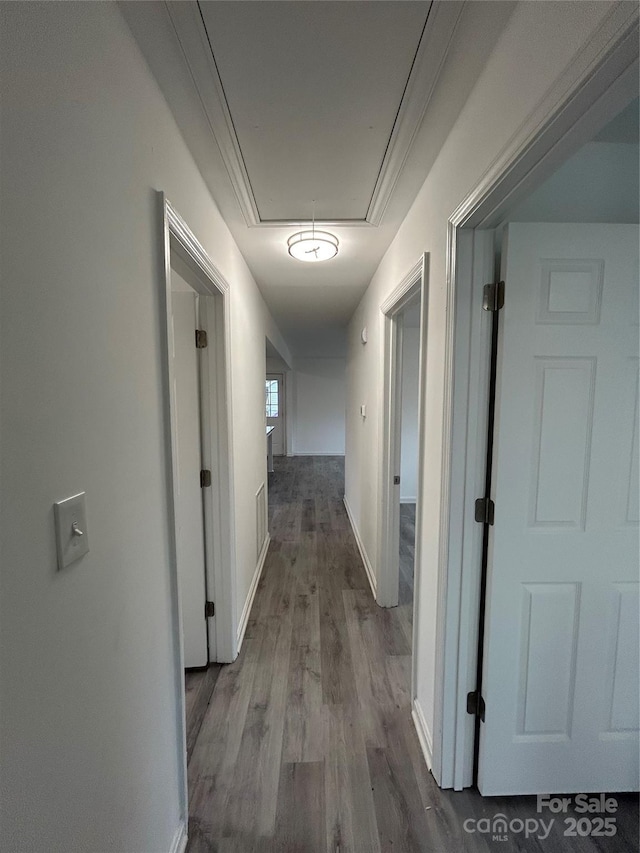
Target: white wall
[(319, 406), (598, 184), (318, 342), (276, 365), (88, 707), (315, 390), (409, 439), (538, 42)]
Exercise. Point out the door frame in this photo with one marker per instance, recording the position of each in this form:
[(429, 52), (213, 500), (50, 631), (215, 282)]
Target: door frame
[(415, 282), (595, 86), (178, 240), (283, 399), (179, 265)]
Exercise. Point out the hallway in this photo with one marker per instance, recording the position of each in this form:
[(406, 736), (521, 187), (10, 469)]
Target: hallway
[(308, 743)]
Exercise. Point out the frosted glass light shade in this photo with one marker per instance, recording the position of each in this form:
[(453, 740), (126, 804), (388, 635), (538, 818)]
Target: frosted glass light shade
[(313, 246)]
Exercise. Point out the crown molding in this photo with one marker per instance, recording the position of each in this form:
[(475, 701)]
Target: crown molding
[(604, 65), (394, 300), (194, 42), (196, 252), (432, 50), (440, 26)]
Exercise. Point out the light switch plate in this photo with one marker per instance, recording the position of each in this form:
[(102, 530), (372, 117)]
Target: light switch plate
[(72, 536)]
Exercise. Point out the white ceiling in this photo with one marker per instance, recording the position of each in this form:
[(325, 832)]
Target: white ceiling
[(346, 103), (313, 90)]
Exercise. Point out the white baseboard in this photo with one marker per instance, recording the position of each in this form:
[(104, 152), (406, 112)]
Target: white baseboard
[(179, 844), (246, 610), (424, 735), (408, 500), (361, 548), (318, 453)]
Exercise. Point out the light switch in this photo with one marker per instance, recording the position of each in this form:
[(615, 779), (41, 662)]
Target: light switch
[(72, 536)]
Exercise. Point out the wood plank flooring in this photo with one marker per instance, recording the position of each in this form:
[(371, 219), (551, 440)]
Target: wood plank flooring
[(404, 611), (199, 686), (307, 744)]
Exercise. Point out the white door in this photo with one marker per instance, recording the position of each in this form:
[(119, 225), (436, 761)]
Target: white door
[(275, 410), (560, 675), (190, 545)]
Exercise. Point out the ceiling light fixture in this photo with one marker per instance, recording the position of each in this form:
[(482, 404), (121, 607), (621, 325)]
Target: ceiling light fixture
[(312, 245)]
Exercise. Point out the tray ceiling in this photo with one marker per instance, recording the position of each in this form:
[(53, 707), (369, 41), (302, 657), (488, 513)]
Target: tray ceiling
[(315, 105), (346, 102), (318, 124)]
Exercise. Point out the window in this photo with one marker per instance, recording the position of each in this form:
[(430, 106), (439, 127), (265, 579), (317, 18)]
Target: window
[(272, 398)]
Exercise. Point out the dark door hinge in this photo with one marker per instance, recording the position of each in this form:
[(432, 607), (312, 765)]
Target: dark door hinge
[(493, 296), (209, 609), (201, 339), (396, 480), (485, 510), (475, 704), (205, 478)]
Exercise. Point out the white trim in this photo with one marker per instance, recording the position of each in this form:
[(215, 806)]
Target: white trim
[(187, 239), (596, 84), (404, 500), (564, 118), (222, 583), (422, 730), (403, 292), (221, 574), (361, 548), (246, 610), (422, 396), (208, 424), (317, 453), (171, 472), (388, 564), (178, 239), (467, 434), (194, 43), (179, 843), (388, 544), (440, 26), (430, 56)]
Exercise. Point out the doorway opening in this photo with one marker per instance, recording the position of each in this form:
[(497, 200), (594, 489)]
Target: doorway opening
[(549, 243), (398, 576), (568, 524), (199, 473), (276, 413), (409, 328), (191, 397), (194, 524), (278, 424)]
